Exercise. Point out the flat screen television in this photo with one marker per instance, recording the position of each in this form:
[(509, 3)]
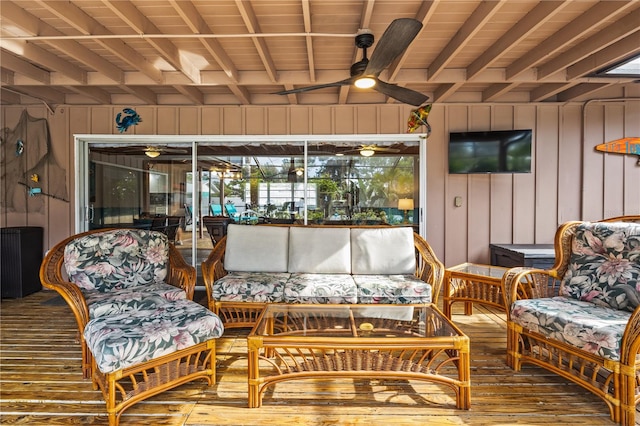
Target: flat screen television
[(498, 151)]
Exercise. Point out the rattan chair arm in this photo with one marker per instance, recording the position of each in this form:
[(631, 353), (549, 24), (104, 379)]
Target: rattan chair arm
[(213, 267), (428, 268), (527, 283), (53, 278), (630, 345), (626, 218), (181, 274)]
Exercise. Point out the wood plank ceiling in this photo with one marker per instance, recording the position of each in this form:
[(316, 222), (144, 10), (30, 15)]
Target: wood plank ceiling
[(239, 52)]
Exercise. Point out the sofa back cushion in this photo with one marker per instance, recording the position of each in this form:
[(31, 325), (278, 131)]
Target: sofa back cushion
[(256, 248), (322, 250), (382, 251), (116, 259), (604, 266)]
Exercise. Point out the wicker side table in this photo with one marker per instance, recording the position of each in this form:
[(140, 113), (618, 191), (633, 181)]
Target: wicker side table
[(473, 283)]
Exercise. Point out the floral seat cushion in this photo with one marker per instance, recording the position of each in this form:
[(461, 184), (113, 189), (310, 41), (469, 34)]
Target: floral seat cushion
[(393, 289), (594, 329), (135, 337), (131, 299), (604, 267), (117, 259), (320, 288), (264, 287)]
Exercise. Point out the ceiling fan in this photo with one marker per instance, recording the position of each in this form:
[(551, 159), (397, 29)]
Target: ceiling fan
[(364, 73), (369, 150), (152, 151)]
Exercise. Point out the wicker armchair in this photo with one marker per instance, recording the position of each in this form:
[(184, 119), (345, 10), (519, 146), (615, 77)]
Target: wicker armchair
[(53, 275), (239, 314), (580, 319)]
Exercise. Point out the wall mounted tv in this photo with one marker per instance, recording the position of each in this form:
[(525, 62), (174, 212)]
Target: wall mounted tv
[(498, 151)]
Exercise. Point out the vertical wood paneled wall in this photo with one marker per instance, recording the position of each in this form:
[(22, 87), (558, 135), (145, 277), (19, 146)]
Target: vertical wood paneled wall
[(570, 180)]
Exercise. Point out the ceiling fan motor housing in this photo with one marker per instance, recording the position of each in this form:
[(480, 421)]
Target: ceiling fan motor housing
[(364, 39)]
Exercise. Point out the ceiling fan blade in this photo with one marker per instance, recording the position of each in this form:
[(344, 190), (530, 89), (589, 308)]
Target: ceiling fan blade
[(396, 38), (400, 93), (383, 149), (346, 82)]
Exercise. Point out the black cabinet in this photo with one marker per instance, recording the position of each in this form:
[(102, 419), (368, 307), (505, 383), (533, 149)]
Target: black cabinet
[(21, 256), (540, 256)]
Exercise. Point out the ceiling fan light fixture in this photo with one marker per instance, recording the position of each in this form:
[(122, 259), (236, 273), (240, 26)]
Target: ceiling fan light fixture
[(367, 152), (365, 83), (152, 153)]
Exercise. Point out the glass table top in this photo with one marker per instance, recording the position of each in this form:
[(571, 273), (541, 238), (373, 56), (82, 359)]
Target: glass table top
[(477, 269), (349, 321)]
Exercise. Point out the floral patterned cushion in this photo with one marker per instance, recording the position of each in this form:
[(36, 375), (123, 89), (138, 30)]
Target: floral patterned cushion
[(604, 267), (128, 339), (131, 299), (113, 260), (591, 328), (250, 287), (392, 289), (320, 288)]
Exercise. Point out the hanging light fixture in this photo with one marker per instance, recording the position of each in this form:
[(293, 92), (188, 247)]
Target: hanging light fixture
[(367, 152), (364, 83), (152, 153)]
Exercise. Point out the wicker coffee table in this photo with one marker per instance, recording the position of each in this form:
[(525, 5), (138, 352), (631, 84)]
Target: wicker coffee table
[(411, 342)]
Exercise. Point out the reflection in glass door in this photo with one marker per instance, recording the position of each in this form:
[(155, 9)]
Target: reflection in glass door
[(144, 186), (154, 182)]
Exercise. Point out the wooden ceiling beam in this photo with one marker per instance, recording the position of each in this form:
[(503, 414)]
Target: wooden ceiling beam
[(478, 19), (144, 94), (241, 93), (603, 38), (537, 16), (43, 93), (102, 96), (141, 25), (306, 18), (35, 26), (251, 22), (445, 90), (494, 91), (585, 22), (579, 90), (196, 23), (547, 91), (9, 97), (291, 97), (427, 9), (86, 25), (192, 93), (6, 76), (617, 52), (44, 58), (18, 65)]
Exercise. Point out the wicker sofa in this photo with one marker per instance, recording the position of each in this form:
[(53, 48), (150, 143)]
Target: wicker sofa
[(255, 265), (581, 319), (140, 333)]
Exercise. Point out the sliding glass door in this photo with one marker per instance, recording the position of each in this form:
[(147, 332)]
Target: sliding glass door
[(170, 183)]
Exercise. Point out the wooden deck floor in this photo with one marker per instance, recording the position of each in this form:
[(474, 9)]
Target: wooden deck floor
[(41, 384)]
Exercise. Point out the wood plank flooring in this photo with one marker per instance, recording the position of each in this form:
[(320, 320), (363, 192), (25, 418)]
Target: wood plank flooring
[(41, 384)]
